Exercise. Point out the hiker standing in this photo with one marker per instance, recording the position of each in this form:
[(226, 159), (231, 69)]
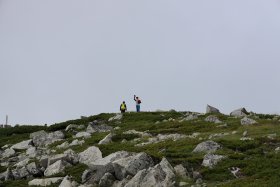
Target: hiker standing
[(123, 107), (138, 102)]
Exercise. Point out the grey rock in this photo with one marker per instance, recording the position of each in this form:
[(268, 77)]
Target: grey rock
[(87, 174), (210, 160), (210, 109), (106, 140), (241, 112), (34, 170), (74, 127), (76, 142), (212, 119), (45, 182), (22, 163), (91, 154), (22, 145), (207, 146), (8, 153), (66, 182), (245, 133), (131, 165), (161, 175), (99, 128), (107, 180), (190, 118), (181, 171), (83, 135), (31, 152), (247, 121), (196, 175), (42, 139), (20, 173), (56, 168)]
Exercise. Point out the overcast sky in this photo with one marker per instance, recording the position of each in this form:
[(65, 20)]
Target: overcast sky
[(60, 59)]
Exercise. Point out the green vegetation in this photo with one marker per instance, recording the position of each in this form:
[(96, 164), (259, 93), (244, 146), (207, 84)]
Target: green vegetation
[(257, 159)]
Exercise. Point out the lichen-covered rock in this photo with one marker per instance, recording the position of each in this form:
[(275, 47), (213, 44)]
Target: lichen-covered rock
[(8, 153), (64, 145), (116, 117), (34, 170), (207, 146), (181, 171)]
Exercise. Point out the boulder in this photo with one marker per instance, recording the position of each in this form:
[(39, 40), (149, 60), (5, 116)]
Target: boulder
[(22, 145), (8, 153), (247, 121), (107, 180), (86, 176), (241, 112), (45, 182), (212, 119), (42, 139), (22, 163), (83, 135), (210, 160), (106, 140), (161, 175), (104, 165), (131, 165), (31, 152), (20, 173), (56, 168), (99, 128), (91, 154), (207, 146), (190, 117), (210, 109)]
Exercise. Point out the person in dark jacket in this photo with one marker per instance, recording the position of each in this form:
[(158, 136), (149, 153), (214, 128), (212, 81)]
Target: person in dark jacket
[(123, 107)]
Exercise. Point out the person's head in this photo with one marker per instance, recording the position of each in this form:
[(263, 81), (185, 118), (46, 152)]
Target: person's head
[(137, 97), (123, 102)]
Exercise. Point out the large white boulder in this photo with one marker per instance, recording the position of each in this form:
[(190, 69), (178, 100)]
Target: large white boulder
[(45, 182), (23, 145), (91, 154), (207, 146)]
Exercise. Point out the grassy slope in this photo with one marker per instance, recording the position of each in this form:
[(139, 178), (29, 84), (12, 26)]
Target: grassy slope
[(259, 163)]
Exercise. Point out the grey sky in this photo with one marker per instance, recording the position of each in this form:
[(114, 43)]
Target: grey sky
[(60, 59)]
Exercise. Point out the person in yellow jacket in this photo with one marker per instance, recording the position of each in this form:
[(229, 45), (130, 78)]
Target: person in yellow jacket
[(123, 107)]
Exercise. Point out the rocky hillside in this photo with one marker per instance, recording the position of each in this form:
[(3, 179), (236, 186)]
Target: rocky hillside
[(145, 149)]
